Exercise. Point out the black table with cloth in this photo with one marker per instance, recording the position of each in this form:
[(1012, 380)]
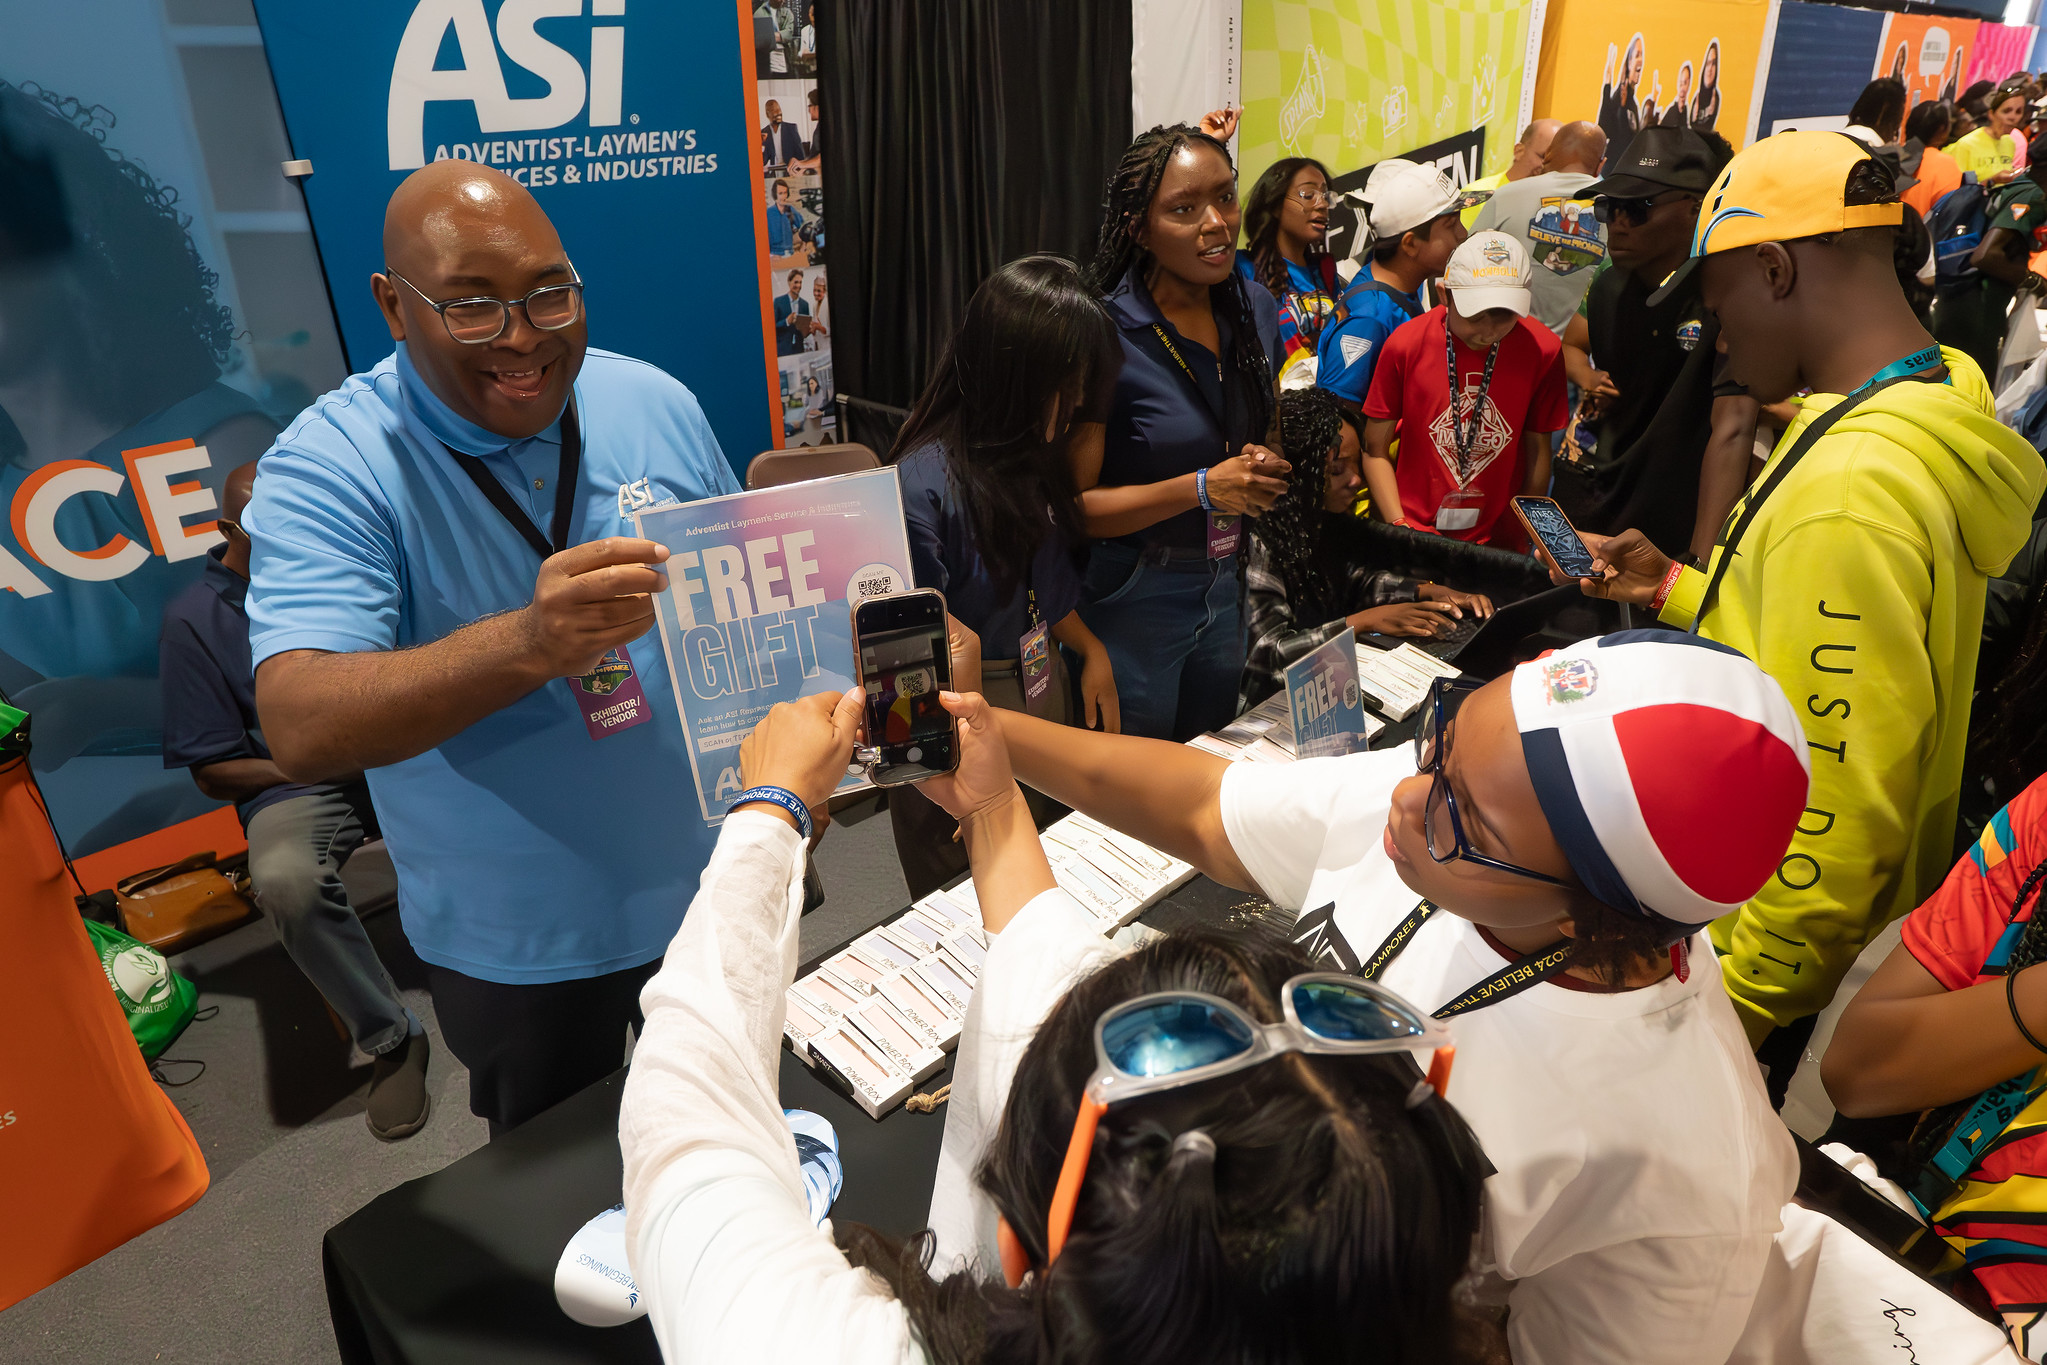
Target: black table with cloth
[(457, 1268)]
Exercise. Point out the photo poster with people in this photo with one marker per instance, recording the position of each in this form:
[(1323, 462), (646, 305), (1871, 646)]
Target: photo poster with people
[(162, 318), (788, 116), (1352, 82), (631, 125), (1931, 54), (1324, 702), (1630, 64), (759, 607)]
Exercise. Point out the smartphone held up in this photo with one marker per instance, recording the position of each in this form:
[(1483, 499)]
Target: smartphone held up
[(1552, 530), (901, 644)]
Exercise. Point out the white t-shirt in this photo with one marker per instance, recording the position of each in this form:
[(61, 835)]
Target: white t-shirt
[(1639, 1168)]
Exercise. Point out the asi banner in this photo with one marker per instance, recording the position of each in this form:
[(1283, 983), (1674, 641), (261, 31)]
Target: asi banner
[(1627, 64), (1929, 54), (759, 607), (1351, 82), (633, 129)]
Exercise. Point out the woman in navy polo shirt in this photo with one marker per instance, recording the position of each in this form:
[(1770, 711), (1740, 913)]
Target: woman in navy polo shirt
[(988, 496), (1181, 459)]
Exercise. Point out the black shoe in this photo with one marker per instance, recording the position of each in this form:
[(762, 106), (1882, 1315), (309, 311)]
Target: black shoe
[(398, 1103)]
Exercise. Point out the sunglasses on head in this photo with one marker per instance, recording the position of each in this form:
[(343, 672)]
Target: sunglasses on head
[(1171, 1039), (1635, 211)]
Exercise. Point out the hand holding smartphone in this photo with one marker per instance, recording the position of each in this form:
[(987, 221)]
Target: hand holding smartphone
[(901, 644), (1550, 529)]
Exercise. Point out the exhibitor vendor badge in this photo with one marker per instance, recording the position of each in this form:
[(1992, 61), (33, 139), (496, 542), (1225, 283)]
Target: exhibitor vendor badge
[(610, 696)]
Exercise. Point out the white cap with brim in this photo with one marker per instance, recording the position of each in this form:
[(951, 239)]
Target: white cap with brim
[(1489, 271), (1400, 196)]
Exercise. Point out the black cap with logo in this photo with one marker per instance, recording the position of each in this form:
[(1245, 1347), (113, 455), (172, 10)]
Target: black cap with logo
[(1658, 159)]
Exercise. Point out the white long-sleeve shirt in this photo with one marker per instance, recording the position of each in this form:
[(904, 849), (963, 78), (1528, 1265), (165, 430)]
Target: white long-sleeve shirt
[(717, 1226)]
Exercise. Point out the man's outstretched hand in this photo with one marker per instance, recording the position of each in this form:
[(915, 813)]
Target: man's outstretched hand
[(590, 599), (1625, 567)]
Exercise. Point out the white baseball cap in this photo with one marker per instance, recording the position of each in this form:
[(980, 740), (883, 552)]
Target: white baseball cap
[(1489, 271), (1400, 196), (1405, 195)]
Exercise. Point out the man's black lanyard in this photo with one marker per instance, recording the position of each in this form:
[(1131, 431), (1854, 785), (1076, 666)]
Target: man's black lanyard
[(1222, 418), (1510, 980), (566, 476), (1467, 439), (1753, 506)]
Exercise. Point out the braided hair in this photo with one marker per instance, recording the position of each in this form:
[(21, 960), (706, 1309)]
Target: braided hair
[(1126, 202), (1310, 424)]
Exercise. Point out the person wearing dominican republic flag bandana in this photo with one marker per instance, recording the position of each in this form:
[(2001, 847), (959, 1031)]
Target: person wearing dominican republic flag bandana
[(1538, 872)]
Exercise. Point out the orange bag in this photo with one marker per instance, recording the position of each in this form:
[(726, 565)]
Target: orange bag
[(91, 1152)]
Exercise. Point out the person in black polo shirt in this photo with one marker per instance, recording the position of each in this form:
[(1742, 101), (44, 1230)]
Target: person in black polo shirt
[(1674, 439), (299, 834)]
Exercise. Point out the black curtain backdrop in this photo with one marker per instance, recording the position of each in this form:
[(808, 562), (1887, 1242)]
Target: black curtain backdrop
[(964, 133)]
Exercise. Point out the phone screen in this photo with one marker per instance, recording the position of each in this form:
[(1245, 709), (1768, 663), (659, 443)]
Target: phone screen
[(905, 662), (1557, 535)]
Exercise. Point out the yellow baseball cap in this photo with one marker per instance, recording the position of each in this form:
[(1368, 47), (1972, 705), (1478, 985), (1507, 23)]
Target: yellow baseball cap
[(1780, 189)]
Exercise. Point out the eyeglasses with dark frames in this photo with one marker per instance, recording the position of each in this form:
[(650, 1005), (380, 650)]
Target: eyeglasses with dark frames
[(475, 321), (1442, 826)]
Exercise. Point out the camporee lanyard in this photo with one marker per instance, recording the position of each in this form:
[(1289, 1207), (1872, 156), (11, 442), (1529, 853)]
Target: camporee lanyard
[(1466, 439), (1509, 981), (1181, 361), (567, 474)]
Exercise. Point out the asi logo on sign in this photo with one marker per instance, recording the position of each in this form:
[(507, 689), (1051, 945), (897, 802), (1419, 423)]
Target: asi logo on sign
[(480, 79)]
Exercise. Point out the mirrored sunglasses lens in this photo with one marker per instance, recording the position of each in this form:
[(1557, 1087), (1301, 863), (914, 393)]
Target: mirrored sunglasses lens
[(551, 308), (1171, 1036), (1345, 1014), (475, 321)]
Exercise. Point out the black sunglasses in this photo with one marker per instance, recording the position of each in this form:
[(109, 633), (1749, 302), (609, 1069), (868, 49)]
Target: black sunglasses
[(1634, 212)]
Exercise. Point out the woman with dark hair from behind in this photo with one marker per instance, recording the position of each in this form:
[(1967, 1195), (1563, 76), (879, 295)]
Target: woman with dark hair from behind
[(1879, 109), (1926, 135), (1301, 590), (989, 501), (1164, 486), (1286, 230), (1299, 1206)]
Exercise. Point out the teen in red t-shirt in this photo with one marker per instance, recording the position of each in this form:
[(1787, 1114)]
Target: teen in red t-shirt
[(1934, 1027), (1454, 477)]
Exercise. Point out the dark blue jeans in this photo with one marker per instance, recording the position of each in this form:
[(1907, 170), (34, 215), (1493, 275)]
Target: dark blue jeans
[(1175, 635)]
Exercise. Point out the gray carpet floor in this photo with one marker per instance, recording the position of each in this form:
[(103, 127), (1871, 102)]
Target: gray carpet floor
[(278, 1111)]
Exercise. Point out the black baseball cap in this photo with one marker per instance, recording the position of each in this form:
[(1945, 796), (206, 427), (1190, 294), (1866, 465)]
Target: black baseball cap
[(1658, 159)]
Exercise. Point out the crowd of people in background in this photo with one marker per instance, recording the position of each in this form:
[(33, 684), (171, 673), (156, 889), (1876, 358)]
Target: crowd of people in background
[(1762, 386)]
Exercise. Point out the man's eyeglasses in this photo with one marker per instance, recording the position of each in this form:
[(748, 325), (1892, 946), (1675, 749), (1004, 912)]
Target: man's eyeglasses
[(476, 321), (1442, 826), (1634, 212), (1314, 198)]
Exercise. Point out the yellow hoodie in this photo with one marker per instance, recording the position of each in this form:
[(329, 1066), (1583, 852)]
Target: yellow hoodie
[(1860, 589)]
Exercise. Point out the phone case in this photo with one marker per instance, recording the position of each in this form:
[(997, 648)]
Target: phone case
[(877, 773)]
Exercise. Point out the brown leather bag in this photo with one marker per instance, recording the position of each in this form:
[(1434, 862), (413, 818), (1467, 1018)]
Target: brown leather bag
[(181, 906)]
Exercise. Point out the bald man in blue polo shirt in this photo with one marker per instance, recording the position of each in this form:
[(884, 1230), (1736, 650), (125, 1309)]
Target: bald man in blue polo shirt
[(446, 595)]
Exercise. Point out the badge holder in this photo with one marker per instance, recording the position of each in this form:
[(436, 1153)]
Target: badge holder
[(1459, 511)]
